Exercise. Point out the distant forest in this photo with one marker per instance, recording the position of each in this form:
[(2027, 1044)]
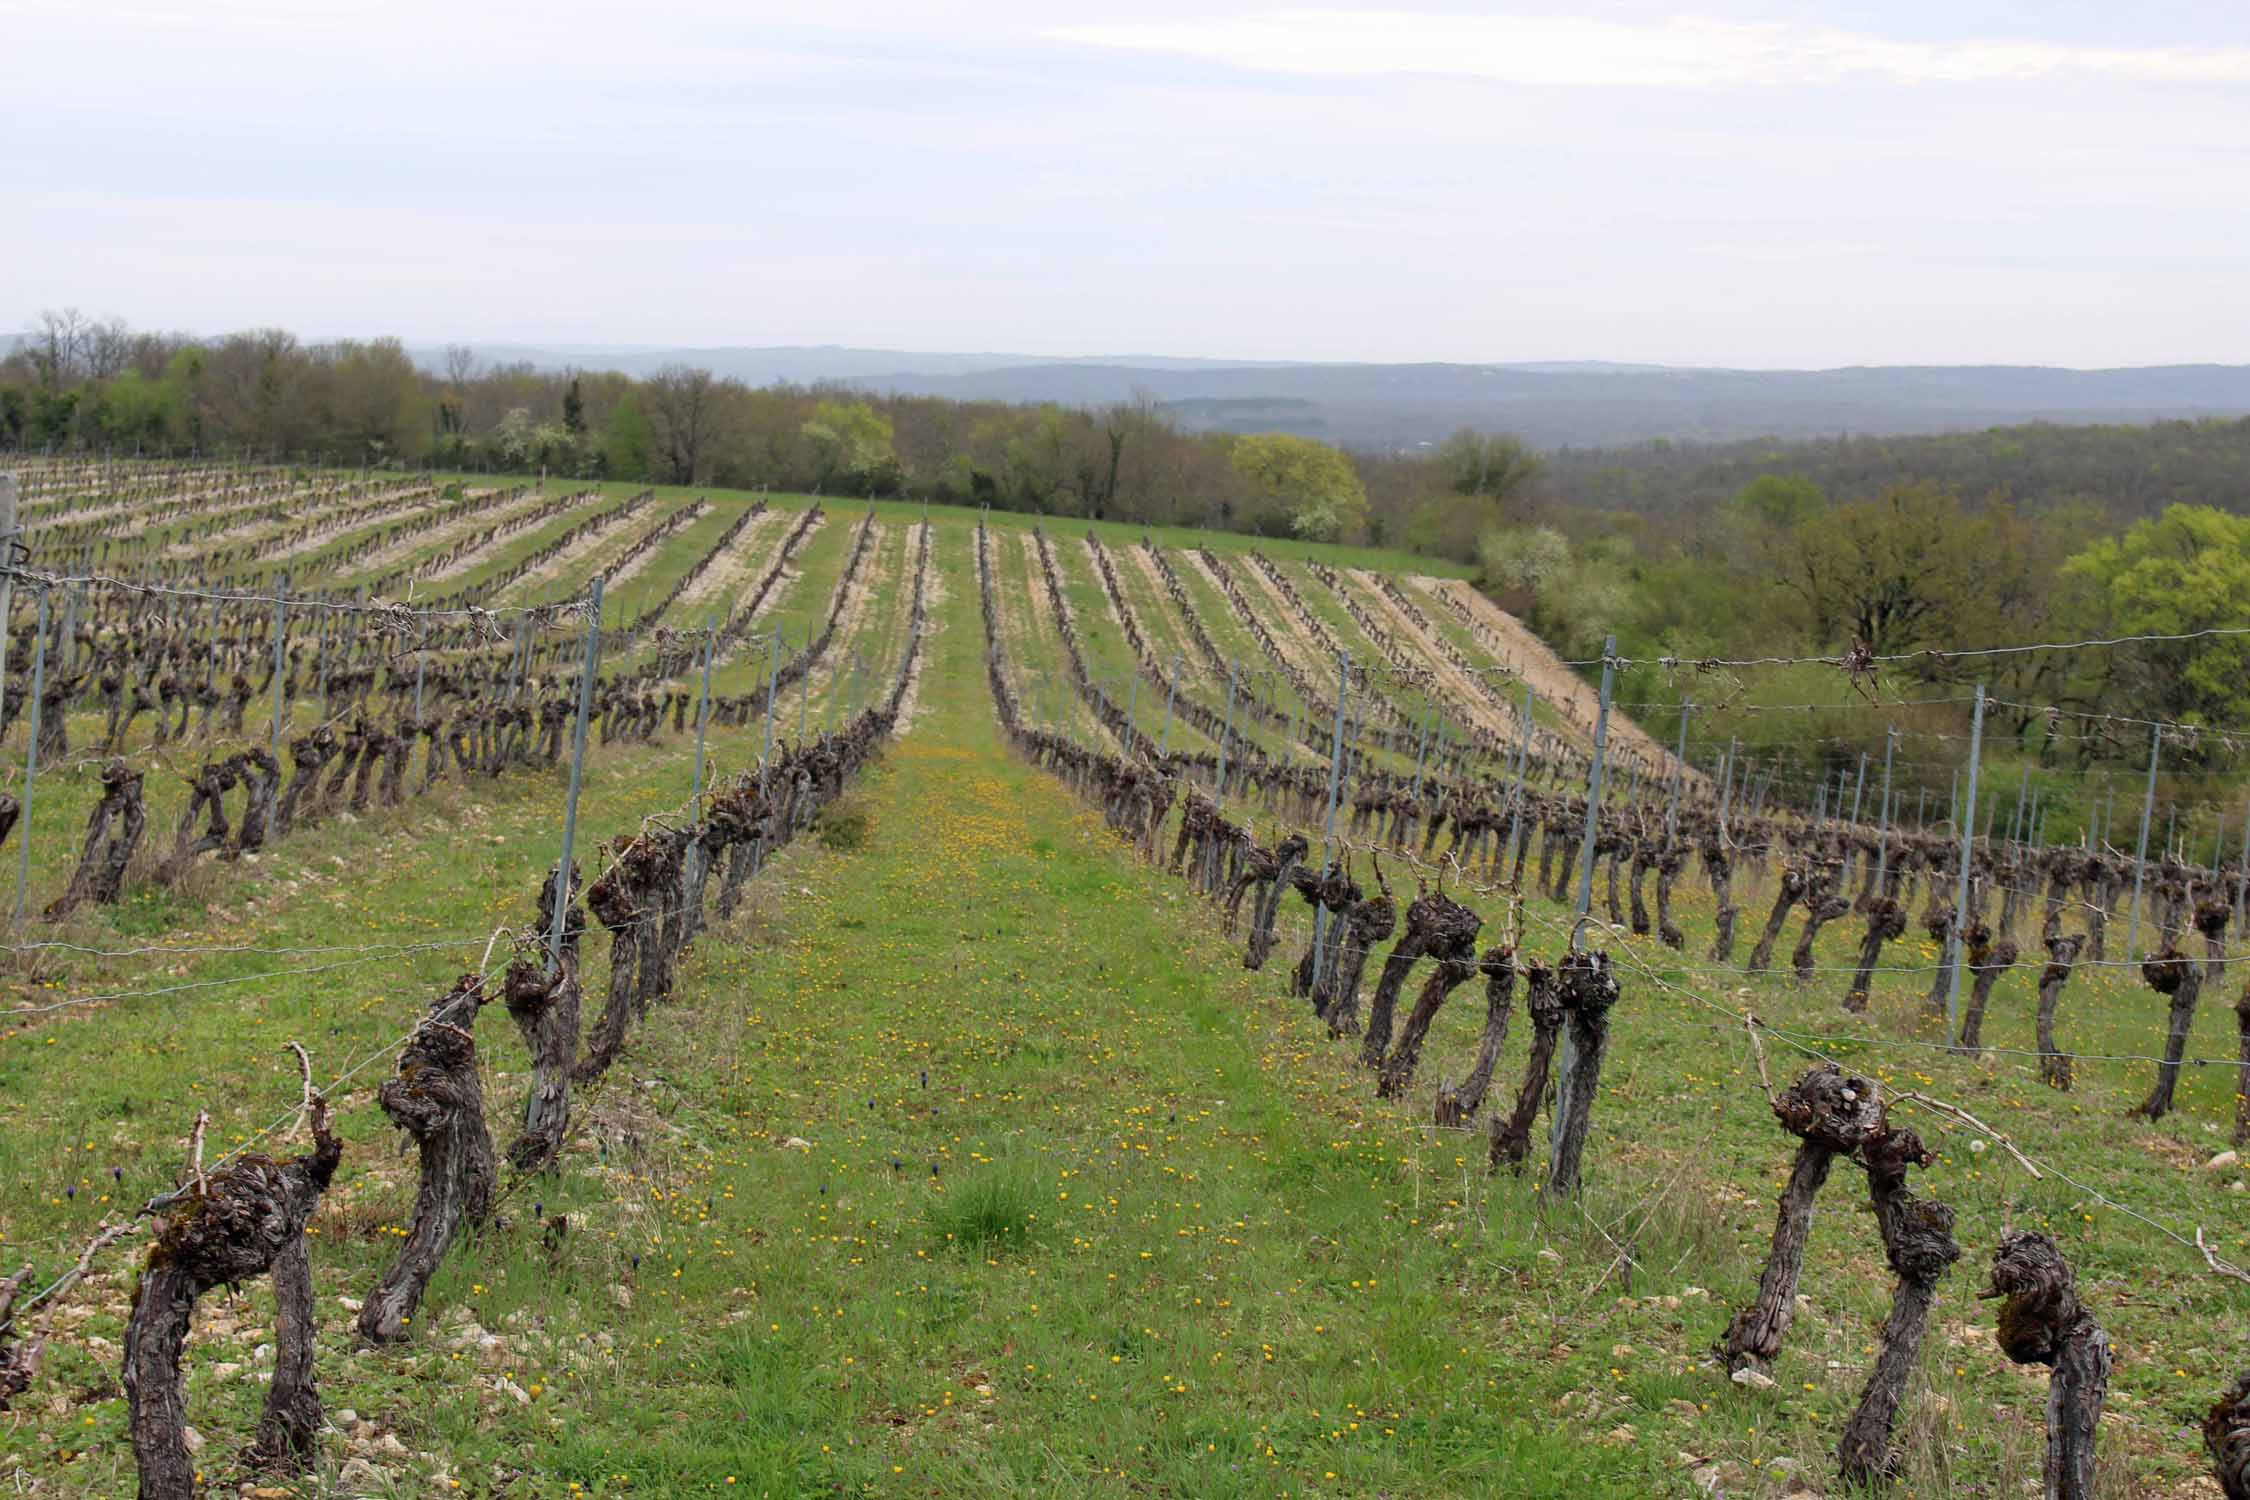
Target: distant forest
[(2127, 471)]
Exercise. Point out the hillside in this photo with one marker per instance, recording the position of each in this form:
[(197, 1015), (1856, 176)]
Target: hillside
[(972, 1084)]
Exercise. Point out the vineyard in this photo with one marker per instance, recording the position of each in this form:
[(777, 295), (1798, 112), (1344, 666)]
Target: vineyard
[(1002, 1007)]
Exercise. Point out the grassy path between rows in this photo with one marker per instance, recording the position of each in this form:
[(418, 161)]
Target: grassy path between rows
[(1057, 1224)]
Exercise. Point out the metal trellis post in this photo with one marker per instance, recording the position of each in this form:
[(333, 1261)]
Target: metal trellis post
[(8, 497), (1883, 838), (1594, 794), (2241, 874), (1171, 690), (1421, 753), (1226, 740), (1328, 821), (1679, 773), (31, 755), (773, 687), (1954, 946), (280, 658), (1523, 764), (577, 774), (1726, 789), (703, 710), (2140, 852), (1566, 1058)]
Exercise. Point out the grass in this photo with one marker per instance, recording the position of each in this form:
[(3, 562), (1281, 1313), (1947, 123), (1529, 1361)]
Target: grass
[(1191, 1253), (844, 825), (994, 1209)]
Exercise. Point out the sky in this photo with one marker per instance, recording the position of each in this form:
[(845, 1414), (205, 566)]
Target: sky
[(1710, 182)]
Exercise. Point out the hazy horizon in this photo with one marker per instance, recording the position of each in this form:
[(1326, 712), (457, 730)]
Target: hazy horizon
[(1740, 184), (433, 344), (574, 348)]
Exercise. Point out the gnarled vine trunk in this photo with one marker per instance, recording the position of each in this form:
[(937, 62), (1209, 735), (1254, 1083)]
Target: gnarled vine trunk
[(1455, 951), (1457, 1106), (1511, 1137), (437, 1099), (1832, 1113), (1918, 1243), (242, 1221), (2041, 1321)]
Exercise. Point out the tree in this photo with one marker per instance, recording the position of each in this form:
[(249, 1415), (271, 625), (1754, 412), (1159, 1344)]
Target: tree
[(375, 399), (516, 443), (108, 346), (1491, 464), (1526, 558), (683, 416), (851, 446), (625, 447), (1910, 569), (184, 372), (1311, 483), (1486, 484), (1036, 463), (2185, 570), (136, 410), (574, 408), (58, 345), (53, 412), (1781, 500)]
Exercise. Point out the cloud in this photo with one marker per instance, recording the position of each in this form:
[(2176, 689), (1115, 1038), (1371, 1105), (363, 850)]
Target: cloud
[(1686, 52)]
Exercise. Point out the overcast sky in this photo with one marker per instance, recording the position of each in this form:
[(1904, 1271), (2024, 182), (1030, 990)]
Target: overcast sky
[(1743, 182)]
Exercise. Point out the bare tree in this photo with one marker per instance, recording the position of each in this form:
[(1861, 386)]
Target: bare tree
[(683, 410), (107, 347), (59, 344)]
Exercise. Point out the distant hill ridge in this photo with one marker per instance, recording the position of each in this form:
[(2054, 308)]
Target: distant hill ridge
[(1553, 404)]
